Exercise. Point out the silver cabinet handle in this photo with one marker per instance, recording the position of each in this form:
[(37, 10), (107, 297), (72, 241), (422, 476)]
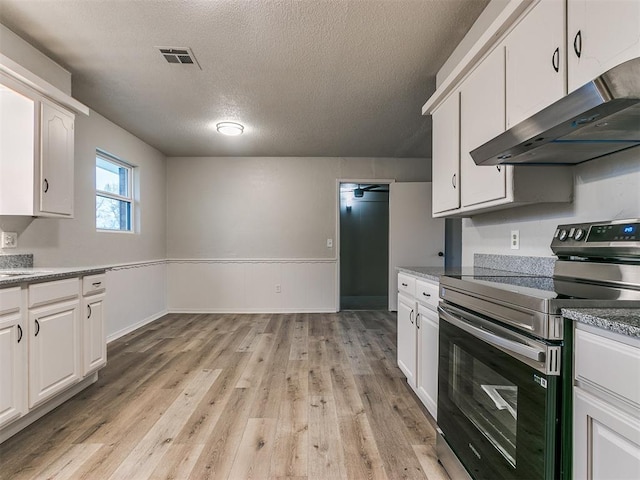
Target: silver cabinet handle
[(537, 354), (453, 180)]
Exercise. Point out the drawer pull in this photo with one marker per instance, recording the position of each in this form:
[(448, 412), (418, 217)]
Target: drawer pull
[(88, 311), (37, 328), (426, 294), (45, 185), (19, 333), (405, 285), (96, 284)]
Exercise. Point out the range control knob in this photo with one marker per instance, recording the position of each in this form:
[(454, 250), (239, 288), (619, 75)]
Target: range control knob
[(579, 235), (564, 234)]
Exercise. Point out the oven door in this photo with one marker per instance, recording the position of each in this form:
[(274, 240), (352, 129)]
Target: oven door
[(497, 408)]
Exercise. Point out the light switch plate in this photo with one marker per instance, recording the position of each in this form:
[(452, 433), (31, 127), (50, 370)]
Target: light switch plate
[(9, 240)]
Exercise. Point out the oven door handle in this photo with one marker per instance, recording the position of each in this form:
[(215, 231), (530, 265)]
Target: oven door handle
[(537, 354)]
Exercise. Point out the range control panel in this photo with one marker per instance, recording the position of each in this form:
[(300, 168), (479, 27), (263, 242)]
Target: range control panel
[(598, 239)]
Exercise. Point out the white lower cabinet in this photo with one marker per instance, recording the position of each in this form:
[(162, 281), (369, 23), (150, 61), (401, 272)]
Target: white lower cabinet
[(47, 347), (54, 346), (427, 379), (12, 356), (418, 337), (94, 354), (606, 407), (407, 337)]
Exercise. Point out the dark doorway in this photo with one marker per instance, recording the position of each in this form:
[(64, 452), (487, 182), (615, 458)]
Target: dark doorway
[(364, 246)]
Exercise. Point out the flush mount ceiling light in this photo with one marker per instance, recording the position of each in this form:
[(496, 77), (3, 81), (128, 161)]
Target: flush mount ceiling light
[(230, 128)]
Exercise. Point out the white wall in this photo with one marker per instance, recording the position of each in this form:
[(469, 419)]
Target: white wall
[(239, 220), (605, 189)]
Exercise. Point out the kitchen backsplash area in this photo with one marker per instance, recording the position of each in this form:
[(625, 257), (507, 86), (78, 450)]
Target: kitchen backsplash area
[(542, 266), (23, 260)]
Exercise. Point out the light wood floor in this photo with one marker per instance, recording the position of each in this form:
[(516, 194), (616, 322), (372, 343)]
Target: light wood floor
[(299, 396)]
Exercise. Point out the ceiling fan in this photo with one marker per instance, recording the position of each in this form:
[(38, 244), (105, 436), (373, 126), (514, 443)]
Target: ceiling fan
[(358, 192)]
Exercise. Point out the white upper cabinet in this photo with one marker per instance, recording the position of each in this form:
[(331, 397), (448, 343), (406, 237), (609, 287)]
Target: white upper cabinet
[(482, 117), (536, 61), (446, 149), (36, 145), (600, 35), (56, 163)]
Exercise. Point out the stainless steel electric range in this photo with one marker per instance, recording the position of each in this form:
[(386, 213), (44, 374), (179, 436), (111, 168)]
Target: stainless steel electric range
[(504, 373)]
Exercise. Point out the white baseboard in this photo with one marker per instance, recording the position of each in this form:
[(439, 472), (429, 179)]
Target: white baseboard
[(250, 311), (135, 326)]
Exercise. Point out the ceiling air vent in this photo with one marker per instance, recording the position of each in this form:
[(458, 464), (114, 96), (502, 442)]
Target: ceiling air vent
[(179, 55)]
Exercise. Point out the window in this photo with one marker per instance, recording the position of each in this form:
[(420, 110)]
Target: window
[(114, 195)]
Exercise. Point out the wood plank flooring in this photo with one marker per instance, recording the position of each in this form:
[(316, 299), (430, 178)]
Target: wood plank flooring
[(296, 396)]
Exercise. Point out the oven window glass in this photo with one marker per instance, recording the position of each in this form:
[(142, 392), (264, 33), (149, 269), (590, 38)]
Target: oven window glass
[(487, 399)]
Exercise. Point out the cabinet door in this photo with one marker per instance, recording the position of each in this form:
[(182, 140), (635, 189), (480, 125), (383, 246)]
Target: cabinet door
[(17, 149), (54, 360), (482, 117), (427, 375), (446, 155), (12, 381), (606, 441), (407, 338), (56, 161), (94, 344), (535, 63), (604, 32)]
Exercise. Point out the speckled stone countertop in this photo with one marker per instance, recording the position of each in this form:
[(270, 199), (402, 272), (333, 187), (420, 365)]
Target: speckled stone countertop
[(46, 274), (434, 273), (619, 320)]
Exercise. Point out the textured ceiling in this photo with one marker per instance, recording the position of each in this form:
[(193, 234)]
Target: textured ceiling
[(307, 78)]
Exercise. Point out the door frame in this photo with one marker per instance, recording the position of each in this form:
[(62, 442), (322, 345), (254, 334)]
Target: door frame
[(381, 181)]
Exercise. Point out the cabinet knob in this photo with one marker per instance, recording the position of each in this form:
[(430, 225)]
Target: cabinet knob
[(577, 43), (441, 254), (45, 186)]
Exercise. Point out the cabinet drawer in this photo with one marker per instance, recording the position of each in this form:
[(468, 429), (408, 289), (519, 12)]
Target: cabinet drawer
[(407, 284), (608, 364), (94, 284), (9, 300), (427, 294), (49, 292)]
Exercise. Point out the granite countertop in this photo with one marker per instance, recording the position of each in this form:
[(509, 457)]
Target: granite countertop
[(625, 321), (45, 274), (434, 273)]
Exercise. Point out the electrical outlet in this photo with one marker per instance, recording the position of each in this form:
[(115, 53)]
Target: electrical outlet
[(329, 242), (9, 240), (515, 239), (278, 288)]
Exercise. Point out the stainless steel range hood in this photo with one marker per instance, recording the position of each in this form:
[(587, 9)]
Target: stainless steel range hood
[(600, 118)]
